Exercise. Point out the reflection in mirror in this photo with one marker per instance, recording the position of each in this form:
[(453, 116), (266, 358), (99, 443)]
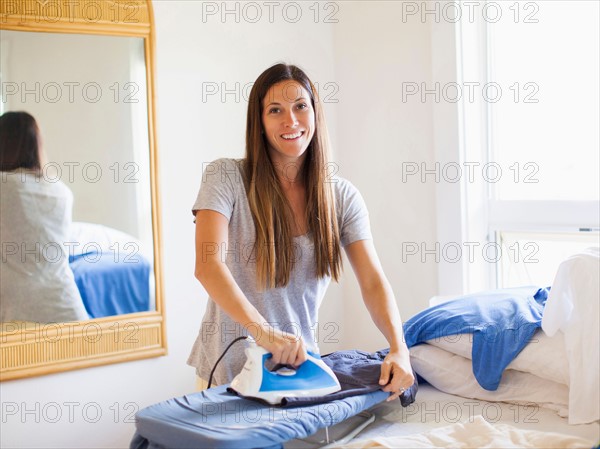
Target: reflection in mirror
[(89, 83), (88, 96)]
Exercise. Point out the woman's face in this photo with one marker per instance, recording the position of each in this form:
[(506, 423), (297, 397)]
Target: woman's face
[(288, 120)]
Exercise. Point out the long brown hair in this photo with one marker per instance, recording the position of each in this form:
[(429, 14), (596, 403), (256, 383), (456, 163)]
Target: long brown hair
[(271, 211), (19, 142)]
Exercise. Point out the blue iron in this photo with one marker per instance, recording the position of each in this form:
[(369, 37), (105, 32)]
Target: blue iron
[(311, 379)]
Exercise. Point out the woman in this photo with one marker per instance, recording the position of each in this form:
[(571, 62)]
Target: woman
[(268, 234), (35, 216)]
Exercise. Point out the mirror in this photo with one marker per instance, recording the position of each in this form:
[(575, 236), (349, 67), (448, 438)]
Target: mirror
[(86, 74)]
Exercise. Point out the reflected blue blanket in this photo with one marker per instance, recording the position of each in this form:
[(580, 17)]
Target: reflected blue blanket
[(215, 418), (502, 323), (112, 285)]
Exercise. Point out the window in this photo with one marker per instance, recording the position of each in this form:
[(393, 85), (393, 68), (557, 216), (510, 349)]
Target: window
[(531, 258), (535, 130), (544, 129)]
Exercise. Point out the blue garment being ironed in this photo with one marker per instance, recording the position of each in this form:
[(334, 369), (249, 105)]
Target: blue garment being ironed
[(358, 373), (502, 323)]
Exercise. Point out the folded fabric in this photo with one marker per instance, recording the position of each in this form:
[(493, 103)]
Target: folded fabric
[(358, 373), (502, 323)]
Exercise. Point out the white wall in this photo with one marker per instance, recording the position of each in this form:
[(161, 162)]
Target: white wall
[(367, 53), (84, 118), (377, 132)]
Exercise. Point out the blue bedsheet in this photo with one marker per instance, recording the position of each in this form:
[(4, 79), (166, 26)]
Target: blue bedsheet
[(215, 418), (502, 323), (112, 285)]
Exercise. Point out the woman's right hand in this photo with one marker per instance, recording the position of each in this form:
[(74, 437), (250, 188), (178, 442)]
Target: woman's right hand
[(286, 348)]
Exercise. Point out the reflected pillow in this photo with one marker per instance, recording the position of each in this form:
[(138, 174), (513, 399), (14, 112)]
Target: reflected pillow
[(93, 237)]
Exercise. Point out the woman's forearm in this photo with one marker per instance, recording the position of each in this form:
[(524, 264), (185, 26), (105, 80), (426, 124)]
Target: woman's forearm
[(220, 285), (222, 288), (381, 303)]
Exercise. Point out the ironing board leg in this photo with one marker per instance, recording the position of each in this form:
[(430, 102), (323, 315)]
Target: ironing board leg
[(369, 418)]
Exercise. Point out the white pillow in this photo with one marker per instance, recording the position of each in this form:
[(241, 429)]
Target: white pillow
[(544, 356), (453, 374), (97, 237)]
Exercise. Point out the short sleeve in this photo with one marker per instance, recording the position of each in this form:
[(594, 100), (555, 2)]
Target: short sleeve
[(217, 188), (354, 214)]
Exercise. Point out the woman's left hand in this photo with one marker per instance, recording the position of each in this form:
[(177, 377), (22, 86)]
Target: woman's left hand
[(396, 374)]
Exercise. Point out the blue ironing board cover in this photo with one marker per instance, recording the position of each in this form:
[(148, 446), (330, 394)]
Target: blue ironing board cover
[(215, 418)]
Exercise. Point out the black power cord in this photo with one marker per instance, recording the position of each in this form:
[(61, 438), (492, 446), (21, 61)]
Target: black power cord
[(222, 355)]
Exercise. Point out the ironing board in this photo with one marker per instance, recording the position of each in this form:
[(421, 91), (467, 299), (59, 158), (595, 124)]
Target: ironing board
[(215, 418)]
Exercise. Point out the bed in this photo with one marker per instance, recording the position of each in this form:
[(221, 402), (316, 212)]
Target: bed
[(545, 395)]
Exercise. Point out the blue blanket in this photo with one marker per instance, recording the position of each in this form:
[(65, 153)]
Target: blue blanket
[(112, 285), (215, 418), (502, 323)]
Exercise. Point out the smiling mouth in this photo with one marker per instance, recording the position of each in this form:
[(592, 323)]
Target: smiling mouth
[(293, 136)]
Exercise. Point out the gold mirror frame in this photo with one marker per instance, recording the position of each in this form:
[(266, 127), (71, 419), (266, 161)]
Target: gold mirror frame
[(38, 349)]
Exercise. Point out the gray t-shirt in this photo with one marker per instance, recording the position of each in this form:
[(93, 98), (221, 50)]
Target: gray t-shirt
[(292, 308)]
